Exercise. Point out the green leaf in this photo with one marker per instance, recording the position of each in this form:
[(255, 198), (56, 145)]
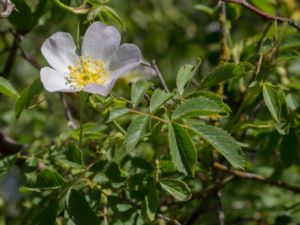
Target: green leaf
[(135, 132), (138, 91), (125, 212), (27, 96), (289, 149), (113, 172), (74, 154), (47, 216), (110, 13), (115, 113), (182, 149), (204, 8), (177, 188), (6, 163), (79, 210), (225, 72), (217, 99), (150, 205), (49, 179), (199, 106), (158, 98), (271, 101), (293, 102), (185, 74), (266, 6), (223, 143), (141, 164), (7, 89)]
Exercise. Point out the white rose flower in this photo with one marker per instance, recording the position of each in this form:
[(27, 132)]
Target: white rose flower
[(103, 60)]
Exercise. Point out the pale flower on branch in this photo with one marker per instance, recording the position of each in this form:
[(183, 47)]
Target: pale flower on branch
[(103, 60)]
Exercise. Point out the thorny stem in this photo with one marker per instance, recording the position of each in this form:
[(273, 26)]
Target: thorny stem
[(261, 13)]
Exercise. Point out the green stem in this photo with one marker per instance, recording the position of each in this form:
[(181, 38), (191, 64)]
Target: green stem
[(79, 10), (83, 97)]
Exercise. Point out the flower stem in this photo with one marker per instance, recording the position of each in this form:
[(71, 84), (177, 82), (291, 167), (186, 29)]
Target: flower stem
[(83, 97)]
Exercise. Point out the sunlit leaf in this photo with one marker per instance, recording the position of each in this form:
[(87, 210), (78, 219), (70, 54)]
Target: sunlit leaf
[(7, 89), (185, 74), (158, 98), (199, 106), (138, 90), (223, 143)]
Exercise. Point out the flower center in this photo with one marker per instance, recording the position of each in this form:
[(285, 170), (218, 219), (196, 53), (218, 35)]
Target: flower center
[(86, 71)]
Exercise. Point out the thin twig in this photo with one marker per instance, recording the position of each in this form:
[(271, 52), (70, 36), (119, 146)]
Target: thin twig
[(8, 8), (218, 195), (261, 13), (67, 111), (10, 59), (168, 219), (259, 178), (154, 66)]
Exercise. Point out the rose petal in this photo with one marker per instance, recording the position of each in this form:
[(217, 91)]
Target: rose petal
[(54, 81), (60, 51), (125, 59), (100, 41), (101, 90)]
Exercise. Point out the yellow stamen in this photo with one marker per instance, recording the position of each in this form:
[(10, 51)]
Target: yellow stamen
[(86, 71)]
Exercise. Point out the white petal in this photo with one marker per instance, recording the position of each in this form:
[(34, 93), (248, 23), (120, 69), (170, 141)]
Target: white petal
[(125, 59), (60, 51), (100, 41), (54, 80), (101, 90)]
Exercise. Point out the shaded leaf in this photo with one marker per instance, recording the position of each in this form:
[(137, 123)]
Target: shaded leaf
[(113, 172), (74, 154), (150, 205), (177, 188), (79, 209), (223, 143), (289, 149), (47, 216), (182, 149)]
